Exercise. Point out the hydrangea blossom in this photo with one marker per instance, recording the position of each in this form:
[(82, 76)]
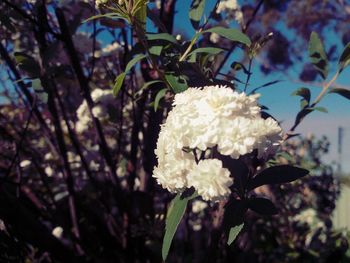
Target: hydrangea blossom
[(210, 179), (204, 118)]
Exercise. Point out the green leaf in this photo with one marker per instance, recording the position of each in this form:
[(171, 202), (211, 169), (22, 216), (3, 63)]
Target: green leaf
[(155, 50), (140, 12), (234, 231), (120, 79), (177, 83), (173, 218), (159, 96), (39, 90), (277, 175), (108, 15), (320, 109), (236, 66), (303, 103), (304, 93), (344, 60), (317, 55), (342, 92), (161, 36), (28, 64), (192, 58), (133, 62), (231, 34), (118, 83), (209, 50), (196, 12)]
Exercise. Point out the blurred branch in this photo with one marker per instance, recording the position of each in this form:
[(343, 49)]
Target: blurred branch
[(29, 18), (84, 86), (4, 54)]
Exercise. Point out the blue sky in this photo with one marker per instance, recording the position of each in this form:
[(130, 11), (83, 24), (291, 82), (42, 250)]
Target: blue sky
[(283, 106)]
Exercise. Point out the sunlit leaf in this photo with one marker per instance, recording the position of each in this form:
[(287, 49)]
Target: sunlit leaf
[(133, 62), (209, 50), (118, 83), (317, 55), (158, 97), (155, 50), (234, 231), (320, 109), (196, 12), (177, 83), (108, 15), (173, 218), (140, 12), (231, 34), (344, 60), (120, 79), (161, 36)]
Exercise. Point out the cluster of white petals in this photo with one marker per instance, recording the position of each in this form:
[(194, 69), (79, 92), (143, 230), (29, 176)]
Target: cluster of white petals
[(102, 99), (203, 118), (210, 179), (231, 8)]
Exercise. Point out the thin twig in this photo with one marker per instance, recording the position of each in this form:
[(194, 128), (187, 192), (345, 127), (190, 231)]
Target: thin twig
[(248, 74)]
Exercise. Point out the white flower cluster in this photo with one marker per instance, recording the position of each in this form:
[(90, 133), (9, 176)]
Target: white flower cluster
[(203, 118), (98, 3), (102, 99), (232, 10)]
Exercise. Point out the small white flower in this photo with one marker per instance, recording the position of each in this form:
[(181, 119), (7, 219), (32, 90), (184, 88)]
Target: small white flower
[(48, 156), (158, 4), (48, 171), (198, 206), (57, 232), (2, 225), (100, 2), (98, 111), (214, 37), (210, 180), (25, 163)]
